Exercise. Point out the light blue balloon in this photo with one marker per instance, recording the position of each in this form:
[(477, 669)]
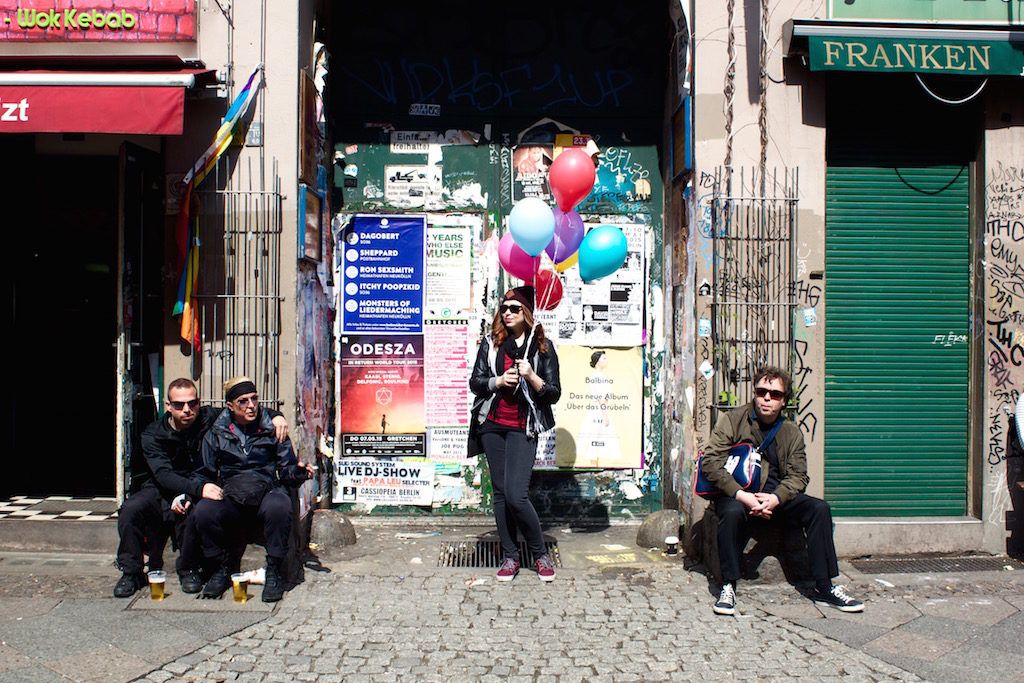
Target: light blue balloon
[(602, 252), (532, 225)]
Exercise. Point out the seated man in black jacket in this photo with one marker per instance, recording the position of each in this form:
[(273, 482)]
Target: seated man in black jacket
[(162, 491), (241, 454)]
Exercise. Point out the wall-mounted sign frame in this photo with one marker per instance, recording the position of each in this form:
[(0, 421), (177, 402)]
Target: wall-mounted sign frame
[(310, 228)]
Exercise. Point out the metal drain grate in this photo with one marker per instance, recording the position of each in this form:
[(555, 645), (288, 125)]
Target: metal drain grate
[(487, 554), (926, 565)]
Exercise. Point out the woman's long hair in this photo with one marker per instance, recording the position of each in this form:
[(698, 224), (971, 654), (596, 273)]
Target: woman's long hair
[(499, 333)]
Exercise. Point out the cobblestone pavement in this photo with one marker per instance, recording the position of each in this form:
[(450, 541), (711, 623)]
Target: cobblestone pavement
[(615, 613), (614, 624)]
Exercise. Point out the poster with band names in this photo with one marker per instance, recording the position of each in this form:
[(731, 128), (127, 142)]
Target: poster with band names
[(383, 273)]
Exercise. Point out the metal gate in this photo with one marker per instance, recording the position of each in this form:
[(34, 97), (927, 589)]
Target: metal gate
[(753, 297), (239, 287)]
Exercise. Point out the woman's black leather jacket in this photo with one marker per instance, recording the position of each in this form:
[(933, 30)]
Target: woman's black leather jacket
[(482, 384)]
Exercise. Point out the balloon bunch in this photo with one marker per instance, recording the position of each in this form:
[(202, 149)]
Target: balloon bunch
[(534, 227)]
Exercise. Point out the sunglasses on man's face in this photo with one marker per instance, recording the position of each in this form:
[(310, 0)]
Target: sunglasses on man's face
[(180, 405), (776, 395), (247, 401), (513, 308)]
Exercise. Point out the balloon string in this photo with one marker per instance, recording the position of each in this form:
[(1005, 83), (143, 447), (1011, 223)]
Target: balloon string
[(533, 328)]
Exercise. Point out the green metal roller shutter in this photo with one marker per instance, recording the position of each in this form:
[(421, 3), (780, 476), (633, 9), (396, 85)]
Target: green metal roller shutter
[(896, 339)]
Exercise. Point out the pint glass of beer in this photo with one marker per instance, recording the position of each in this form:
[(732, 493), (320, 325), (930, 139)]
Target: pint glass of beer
[(240, 587), (157, 581)]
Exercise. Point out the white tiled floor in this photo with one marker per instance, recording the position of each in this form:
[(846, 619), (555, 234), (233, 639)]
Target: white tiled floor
[(64, 508)]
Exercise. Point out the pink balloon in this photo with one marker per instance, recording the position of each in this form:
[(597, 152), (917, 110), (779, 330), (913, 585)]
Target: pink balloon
[(568, 235), (549, 290), (571, 177), (514, 260)]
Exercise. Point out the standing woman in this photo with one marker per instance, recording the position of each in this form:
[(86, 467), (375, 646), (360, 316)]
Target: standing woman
[(515, 387)]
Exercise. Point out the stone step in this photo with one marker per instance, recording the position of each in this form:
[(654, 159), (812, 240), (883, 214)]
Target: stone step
[(58, 524), (58, 536)]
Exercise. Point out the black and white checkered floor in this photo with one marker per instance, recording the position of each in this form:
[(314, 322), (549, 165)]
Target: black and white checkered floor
[(64, 508)]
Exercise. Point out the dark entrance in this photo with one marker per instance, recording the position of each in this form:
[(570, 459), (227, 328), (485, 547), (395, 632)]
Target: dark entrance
[(59, 311)]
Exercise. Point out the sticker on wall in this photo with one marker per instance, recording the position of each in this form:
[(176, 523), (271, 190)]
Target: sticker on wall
[(704, 328), (412, 186), (412, 141), (810, 317), (705, 288), (530, 165), (707, 369)]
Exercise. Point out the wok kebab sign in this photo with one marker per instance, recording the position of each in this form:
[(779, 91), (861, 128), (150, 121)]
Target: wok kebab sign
[(58, 21)]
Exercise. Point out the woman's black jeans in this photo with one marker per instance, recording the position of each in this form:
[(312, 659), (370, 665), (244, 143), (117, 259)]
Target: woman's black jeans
[(510, 457)]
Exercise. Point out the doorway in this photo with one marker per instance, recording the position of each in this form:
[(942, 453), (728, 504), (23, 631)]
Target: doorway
[(60, 285)]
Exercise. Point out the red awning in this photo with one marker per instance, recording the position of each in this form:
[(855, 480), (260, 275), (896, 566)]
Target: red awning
[(148, 103)]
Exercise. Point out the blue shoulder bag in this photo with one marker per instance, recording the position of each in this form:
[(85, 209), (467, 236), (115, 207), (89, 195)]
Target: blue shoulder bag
[(743, 463)]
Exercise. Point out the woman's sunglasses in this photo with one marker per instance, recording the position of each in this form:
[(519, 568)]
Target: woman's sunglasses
[(776, 395), (513, 308)]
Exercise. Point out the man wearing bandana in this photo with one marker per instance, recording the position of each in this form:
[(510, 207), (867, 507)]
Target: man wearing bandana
[(242, 456)]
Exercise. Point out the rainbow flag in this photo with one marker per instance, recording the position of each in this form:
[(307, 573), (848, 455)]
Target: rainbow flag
[(187, 228)]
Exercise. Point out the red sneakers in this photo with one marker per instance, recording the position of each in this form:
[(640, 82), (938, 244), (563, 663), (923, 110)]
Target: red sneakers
[(545, 568), (509, 569)]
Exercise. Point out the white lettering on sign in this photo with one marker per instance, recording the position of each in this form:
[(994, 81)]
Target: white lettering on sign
[(419, 109), (382, 349), (12, 112)]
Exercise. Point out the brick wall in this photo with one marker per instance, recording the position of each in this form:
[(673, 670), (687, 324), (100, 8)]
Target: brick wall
[(59, 20)]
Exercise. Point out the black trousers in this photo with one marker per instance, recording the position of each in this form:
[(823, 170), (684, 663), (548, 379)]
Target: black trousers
[(812, 515), (144, 523), (222, 525), (510, 458)]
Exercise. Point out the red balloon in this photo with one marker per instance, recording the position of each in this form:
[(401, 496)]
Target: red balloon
[(549, 290), (571, 176)]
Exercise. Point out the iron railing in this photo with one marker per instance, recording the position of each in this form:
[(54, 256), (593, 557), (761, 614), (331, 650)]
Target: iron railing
[(753, 221), (239, 289)]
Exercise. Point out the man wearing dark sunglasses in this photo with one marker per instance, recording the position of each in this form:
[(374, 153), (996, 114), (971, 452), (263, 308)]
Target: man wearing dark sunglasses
[(778, 497), (162, 491)]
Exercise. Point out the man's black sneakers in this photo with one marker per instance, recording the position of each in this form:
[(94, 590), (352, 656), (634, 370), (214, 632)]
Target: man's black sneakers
[(129, 584), (726, 601), (837, 597), (219, 582), (273, 583), (191, 581)]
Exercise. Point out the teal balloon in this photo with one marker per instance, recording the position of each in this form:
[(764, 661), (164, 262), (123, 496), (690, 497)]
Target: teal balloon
[(602, 252), (532, 225)]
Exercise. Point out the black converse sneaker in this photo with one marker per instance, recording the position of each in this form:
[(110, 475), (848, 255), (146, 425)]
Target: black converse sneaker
[(837, 597), (726, 601)]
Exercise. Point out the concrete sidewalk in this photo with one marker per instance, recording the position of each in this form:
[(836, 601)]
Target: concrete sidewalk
[(616, 612)]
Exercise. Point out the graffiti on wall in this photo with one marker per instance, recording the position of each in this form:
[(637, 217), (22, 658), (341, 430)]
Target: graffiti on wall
[(1004, 321), (471, 83), (805, 409), (1002, 325)]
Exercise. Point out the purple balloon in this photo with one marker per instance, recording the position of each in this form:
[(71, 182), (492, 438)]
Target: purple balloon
[(568, 235)]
